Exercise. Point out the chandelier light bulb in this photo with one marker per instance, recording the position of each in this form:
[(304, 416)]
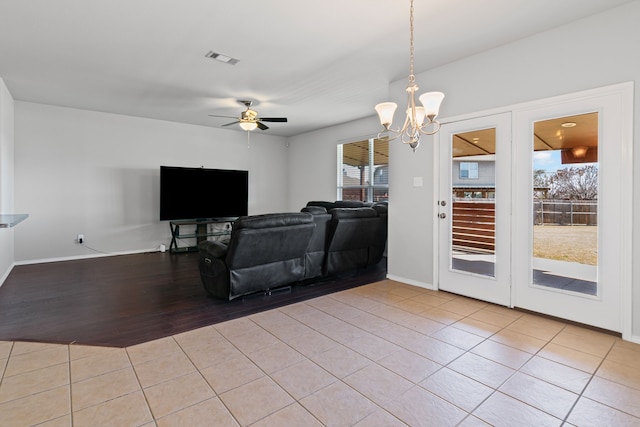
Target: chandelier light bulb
[(419, 116), (431, 102), (385, 112)]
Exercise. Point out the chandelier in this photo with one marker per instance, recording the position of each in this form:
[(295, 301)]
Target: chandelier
[(414, 124)]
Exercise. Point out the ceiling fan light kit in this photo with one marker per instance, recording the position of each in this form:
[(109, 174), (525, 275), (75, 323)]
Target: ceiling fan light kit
[(414, 124), (248, 125), (249, 119)]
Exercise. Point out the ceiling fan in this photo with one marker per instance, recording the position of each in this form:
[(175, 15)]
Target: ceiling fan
[(249, 119)]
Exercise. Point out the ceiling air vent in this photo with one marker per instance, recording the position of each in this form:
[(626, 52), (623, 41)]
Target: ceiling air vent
[(222, 58)]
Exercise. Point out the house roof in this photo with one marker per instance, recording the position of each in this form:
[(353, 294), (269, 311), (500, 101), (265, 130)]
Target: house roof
[(317, 63)]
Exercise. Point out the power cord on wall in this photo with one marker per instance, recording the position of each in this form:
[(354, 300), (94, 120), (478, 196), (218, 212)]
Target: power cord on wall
[(93, 249)]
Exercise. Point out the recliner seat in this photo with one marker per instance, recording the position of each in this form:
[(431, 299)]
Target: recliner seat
[(264, 252)]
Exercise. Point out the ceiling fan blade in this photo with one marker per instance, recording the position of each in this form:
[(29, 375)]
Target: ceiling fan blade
[(262, 126), (226, 117), (232, 123), (273, 119)]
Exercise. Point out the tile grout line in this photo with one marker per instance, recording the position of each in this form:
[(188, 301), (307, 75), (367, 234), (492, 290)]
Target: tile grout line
[(245, 355), (341, 380), (496, 390), (4, 368), (144, 395), (215, 393), (443, 366), (71, 412), (587, 386), (467, 351)]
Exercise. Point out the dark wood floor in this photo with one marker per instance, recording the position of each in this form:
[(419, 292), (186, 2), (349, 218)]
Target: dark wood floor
[(125, 300)]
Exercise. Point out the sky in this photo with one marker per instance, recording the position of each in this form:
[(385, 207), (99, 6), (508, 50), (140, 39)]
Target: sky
[(549, 160)]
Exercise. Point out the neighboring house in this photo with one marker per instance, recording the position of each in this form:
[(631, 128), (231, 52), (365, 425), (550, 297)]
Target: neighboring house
[(474, 177)]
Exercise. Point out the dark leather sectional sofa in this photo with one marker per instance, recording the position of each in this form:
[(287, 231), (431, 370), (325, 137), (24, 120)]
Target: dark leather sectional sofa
[(274, 250)]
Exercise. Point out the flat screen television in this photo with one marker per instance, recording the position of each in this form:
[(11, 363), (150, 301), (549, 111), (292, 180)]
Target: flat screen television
[(200, 194)]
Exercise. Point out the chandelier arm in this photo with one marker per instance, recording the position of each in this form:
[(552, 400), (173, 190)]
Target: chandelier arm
[(391, 130), (436, 128), (398, 132), (405, 126), (391, 135)]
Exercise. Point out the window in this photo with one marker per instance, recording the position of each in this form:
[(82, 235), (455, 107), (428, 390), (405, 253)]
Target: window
[(363, 170), (469, 170)]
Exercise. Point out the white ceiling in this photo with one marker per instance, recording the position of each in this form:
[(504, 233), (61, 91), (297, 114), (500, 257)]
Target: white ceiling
[(319, 63)]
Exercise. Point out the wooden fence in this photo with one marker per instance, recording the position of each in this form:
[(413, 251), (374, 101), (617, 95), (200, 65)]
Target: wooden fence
[(474, 226), (565, 212), (474, 221)]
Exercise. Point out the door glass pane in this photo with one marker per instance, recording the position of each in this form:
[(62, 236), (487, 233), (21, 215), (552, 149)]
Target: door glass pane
[(565, 203), (473, 188)]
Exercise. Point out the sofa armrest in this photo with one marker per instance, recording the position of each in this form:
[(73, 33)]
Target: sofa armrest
[(213, 249)]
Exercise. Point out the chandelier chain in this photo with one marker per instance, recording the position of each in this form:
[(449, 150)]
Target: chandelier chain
[(411, 74)]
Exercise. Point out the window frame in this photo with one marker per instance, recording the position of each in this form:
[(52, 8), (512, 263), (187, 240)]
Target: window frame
[(370, 187), (469, 169)]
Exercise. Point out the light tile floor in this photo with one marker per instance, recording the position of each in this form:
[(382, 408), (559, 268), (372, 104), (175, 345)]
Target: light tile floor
[(385, 354)]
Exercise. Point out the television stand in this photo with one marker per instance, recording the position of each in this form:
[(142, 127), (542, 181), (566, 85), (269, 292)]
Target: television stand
[(198, 230)]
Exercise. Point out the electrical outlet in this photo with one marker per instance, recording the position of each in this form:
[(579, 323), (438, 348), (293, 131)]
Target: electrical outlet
[(80, 238)]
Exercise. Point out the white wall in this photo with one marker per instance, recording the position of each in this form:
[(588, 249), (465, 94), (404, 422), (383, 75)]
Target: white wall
[(313, 160), (6, 179), (79, 171), (590, 53)]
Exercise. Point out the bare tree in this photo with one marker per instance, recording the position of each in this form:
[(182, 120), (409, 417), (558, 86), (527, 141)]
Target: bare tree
[(541, 183), (576, 183)]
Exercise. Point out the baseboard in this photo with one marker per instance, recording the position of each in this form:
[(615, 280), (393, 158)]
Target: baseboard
[(78, 257), (4, 277), (635, 339), (411, 282)]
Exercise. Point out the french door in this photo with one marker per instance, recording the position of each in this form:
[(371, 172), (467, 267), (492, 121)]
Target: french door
[(474, 208), (534, 207), (569, 209)]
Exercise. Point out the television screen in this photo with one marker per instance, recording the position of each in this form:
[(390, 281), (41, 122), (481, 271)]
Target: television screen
[(198, 193)]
